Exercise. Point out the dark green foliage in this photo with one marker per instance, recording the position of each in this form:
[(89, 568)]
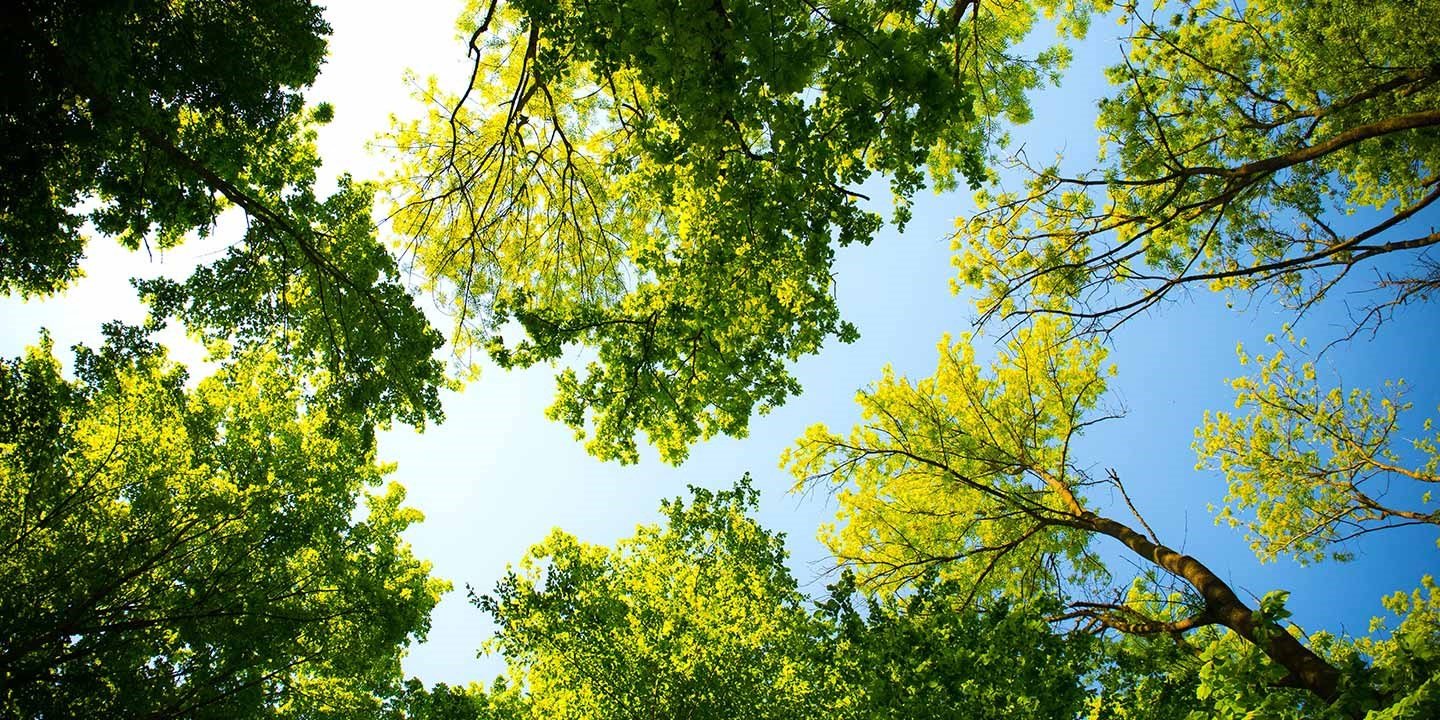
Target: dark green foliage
[(146, 120), (87, 84), (926, 656)]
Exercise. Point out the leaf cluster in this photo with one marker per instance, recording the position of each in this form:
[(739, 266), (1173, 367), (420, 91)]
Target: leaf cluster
[(666, 184), (91, 79), (194, 552), (1238, 138)]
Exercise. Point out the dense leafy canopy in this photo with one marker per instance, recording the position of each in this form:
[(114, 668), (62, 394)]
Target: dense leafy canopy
[(138, 119), (1239, 137), (699, 617), (695, 618), (931, 654), (329, 294), (980, 477), (965, 466), (200, 552), (92, 86), (195, 553), (666, 183)]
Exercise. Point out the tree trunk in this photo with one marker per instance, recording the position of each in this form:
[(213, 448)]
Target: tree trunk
[(1307, 669)]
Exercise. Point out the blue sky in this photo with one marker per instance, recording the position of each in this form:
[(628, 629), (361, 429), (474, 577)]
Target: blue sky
[(497, 476)]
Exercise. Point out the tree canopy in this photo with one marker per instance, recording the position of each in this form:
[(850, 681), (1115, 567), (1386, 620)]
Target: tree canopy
[(980, 475), (1239, 138), (671, 195), (1310, 466), (112, 102), (650, 196), (140, 121), (194, 552), (700, 617), (188, 550)]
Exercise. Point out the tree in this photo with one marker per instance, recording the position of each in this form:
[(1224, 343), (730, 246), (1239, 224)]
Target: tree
[(332, 302), (1239, 138), (1238, 132), (671, 195), (977, 475), (1406, 664), (1310, 467), (602, 189), (452, 702), (199, 552), (138, 118), (698, 617), (928, 655), (111, 101), (195, 552)]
